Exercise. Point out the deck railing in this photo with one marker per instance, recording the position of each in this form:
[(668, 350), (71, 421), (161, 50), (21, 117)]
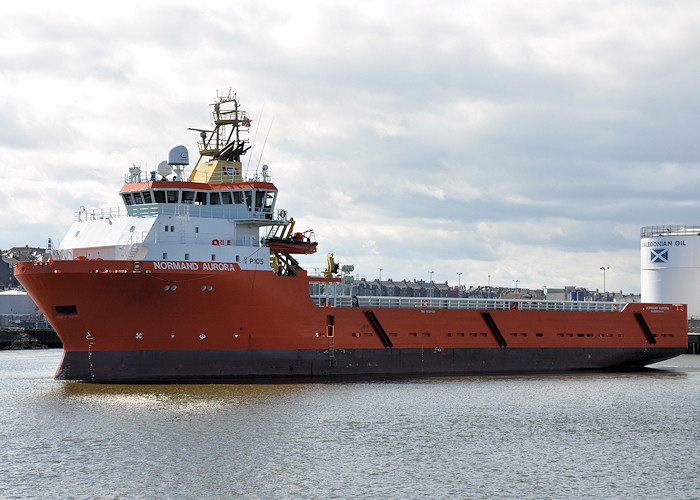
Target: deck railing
[(670, 230), (180, 209), (331, 300)]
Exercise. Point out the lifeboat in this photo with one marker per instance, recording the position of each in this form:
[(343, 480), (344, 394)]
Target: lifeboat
[(298, 243)]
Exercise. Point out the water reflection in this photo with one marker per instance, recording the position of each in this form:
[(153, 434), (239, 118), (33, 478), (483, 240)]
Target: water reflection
[(505, 436)]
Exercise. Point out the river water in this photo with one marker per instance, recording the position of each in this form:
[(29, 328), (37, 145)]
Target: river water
[(622, 435)]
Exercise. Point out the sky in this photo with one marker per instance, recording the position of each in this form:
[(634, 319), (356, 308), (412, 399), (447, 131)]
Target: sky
[(514, 142)]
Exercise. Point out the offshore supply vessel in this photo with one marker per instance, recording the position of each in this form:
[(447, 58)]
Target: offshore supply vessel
[(195, 279)]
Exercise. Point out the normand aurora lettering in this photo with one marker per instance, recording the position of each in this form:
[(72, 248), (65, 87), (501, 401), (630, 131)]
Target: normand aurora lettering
[(194, 266), (180, 266)]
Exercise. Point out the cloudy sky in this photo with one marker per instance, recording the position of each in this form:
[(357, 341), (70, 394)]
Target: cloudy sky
[(526, 140)]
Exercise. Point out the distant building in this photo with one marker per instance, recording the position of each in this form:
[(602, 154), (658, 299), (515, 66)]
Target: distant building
[(421, 288), (16, 254)]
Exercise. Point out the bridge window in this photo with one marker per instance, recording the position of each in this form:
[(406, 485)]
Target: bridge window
[(214, 198), (147, 197), (269, 200), (127, 199), (238, 197), (138, 199), (201, 198), (226, 198), (159, 196), (173, 195), (259, 198), (188, 197)]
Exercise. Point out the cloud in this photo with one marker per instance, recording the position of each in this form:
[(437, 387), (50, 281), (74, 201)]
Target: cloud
[(525, 140)]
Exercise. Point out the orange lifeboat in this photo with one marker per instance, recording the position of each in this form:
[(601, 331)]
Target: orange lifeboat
[(298, 243)]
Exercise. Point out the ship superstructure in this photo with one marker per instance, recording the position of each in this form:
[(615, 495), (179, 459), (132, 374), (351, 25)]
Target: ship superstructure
[(195, 279), (211, 215)]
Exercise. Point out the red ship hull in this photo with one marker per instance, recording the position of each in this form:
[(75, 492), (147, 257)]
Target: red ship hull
[(126, 321)]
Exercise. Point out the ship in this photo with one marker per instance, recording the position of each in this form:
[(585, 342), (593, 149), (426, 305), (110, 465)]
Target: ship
[(196, 279)]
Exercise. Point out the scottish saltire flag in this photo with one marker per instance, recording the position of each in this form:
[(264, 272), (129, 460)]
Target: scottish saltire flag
[(659, 256)]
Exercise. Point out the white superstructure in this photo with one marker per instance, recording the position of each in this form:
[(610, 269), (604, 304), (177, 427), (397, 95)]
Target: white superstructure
[(213, 215)]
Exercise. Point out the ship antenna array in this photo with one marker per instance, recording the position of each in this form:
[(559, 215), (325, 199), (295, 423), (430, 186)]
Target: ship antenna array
[(252, 145), (263, 148)]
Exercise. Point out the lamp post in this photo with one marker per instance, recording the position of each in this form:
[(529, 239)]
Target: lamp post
[(489, 286), (516, 288), (459, 284), (380, 274), (431, 282), (604, 269)]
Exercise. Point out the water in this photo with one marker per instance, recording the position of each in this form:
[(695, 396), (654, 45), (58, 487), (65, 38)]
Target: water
[(557, 436)]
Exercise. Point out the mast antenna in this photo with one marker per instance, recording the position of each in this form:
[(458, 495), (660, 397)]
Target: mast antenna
[(263, 148), (252, 145)]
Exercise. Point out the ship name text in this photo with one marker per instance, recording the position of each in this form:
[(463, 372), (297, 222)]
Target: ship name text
[(176, 265), (193, 266)]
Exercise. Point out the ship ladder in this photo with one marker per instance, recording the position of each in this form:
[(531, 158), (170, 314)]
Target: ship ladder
[(132, 252), (331, 352)]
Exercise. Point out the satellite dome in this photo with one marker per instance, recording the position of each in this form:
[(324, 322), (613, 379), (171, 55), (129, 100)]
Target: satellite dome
[(178, 155), (164, 169)]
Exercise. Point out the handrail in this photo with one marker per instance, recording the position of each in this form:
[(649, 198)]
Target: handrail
[(233, 212), (333, 300), (670, 230)]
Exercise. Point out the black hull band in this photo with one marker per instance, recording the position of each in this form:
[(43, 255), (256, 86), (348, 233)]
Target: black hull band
[(246, 365)]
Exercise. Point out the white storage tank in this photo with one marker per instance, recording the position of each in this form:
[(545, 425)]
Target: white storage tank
[(671, 266)]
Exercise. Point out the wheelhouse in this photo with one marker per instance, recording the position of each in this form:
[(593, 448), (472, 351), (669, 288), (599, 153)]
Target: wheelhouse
[(254, 197)]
